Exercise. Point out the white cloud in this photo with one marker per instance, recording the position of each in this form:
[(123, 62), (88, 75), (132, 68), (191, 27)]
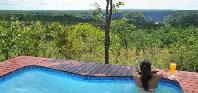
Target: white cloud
[(85, 4), (161, 4)]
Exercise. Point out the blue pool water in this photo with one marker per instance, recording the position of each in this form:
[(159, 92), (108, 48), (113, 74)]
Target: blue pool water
[(41, 81)]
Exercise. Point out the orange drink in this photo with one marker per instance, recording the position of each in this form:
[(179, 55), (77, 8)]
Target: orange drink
[(172, 68)]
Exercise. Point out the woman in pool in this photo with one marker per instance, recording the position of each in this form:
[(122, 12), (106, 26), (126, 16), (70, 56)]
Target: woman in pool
[(146, 79)]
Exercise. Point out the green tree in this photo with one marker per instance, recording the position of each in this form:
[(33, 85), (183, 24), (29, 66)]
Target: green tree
[(85, 42), (110, 7), (9, 36), (124, 30), (59, 34), (84, 38), (36, 38)]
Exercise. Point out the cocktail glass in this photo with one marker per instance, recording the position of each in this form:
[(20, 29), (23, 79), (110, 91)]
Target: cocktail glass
[(172, 70)]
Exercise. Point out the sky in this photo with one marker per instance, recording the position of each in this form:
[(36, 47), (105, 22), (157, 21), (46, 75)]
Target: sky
[(88, 4)]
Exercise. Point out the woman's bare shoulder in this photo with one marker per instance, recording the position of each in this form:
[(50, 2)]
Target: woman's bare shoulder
[(136, 74), (158, 74)]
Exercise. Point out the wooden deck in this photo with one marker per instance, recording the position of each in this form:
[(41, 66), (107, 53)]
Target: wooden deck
[(188, 80)]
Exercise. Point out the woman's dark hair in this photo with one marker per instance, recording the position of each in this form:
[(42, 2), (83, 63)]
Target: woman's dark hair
[(146, 75)]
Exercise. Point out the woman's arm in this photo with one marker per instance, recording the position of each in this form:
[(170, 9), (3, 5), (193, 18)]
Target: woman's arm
[(155, 71), (136, 77), (159, 74)]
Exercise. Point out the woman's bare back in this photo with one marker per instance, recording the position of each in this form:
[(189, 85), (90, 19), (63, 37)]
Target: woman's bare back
[(152, 83)]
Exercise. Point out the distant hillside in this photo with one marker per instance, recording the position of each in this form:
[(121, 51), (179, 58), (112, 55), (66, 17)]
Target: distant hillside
[(75, 16), (153, 15), (43, 16), (157, 16)]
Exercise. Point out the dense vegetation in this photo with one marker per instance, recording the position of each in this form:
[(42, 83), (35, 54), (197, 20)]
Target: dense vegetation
[(133, 38)]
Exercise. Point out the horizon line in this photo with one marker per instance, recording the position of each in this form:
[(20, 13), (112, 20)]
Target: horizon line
[(85, 9)]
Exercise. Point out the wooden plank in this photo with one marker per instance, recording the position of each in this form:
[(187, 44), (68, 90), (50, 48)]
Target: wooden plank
[(91, 69), (131, 70), (188, 76), (83, 71), (80, 68), (66, 67), (119, 72), (56, 67), (76, 68), (60, 67), (125, 71), (92, 73), (104, 69), (113, 70), (109, 70), (72, 66)]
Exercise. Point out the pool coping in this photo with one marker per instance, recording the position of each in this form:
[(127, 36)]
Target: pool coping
[(80, 68)]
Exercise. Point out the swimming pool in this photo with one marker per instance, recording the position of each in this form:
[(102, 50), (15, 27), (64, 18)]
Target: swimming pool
[(44, 80)]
